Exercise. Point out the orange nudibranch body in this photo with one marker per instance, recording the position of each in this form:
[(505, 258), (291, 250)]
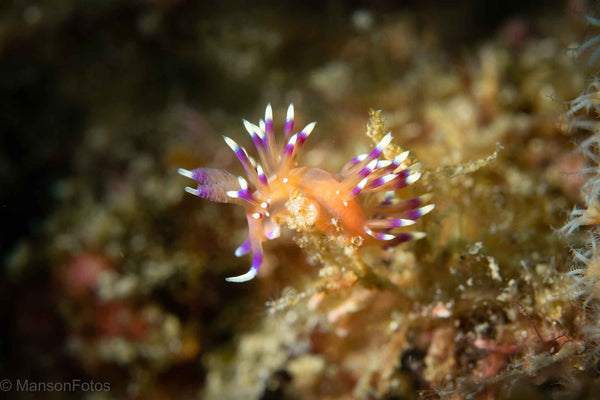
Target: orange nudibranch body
[(347, 200), (328, 193)]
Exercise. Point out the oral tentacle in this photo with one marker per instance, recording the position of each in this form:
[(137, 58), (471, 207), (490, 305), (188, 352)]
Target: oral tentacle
[(244, 248), (257, 260)]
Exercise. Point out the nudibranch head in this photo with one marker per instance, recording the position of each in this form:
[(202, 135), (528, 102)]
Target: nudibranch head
[(350, 197)]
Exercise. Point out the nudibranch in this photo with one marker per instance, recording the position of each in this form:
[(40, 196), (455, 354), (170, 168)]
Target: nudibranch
[(350, 197)]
